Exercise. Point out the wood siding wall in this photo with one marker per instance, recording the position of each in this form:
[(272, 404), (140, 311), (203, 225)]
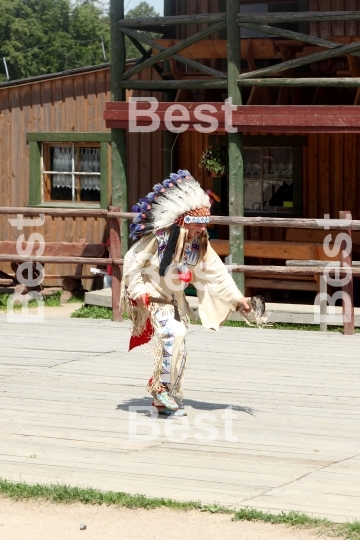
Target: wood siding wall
[(67, 104), (73, 103), (336, 28)]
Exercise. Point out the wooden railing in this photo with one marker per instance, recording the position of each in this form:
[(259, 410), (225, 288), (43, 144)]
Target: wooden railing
[(260, 22), (114, 215)]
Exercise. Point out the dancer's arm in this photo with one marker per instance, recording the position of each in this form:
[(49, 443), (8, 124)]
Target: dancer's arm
[(214, 274), (135, 262)]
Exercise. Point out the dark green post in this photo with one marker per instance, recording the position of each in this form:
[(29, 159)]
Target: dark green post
[(168, 137), (118, 136), (236, 170)]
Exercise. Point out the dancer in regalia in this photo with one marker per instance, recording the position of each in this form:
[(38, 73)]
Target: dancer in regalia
[(172, 250)]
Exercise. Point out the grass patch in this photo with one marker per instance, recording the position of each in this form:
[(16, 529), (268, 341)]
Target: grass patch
[(348, 531), (92, 312), (67, 495), (49, 301), (77, 297), (95, 312), (295, 519), (63, 494)]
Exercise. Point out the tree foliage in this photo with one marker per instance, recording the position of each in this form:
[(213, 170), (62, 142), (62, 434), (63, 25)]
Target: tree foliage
[(47, 36), (142, 10)]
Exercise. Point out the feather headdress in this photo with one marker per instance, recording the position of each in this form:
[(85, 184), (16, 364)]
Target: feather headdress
[(179, 199)]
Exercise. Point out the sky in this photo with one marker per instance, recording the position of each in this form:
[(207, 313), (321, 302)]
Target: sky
[(158, 5)]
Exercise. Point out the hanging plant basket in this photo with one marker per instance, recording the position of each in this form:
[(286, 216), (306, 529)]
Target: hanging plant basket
[(215, 160)]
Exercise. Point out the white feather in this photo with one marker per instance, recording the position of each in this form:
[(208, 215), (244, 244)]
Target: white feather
[(182, 198)]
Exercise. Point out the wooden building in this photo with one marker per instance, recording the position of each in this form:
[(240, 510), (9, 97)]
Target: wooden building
[(50, 125), (58, 150), (292, 69)]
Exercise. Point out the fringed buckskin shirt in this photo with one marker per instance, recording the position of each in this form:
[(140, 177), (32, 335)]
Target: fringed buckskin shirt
[(217, 292)]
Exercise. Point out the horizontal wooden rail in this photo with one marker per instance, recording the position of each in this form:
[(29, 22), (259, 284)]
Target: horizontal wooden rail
[(256, 18), (114, 215), (305, 16), (54, 212), (300, 223), (171, 20), (293, 271), (340, 82), (55, 260)]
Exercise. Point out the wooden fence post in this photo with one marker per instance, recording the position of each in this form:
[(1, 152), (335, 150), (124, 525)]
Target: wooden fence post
[(348, 289), (115, 253), (323, 303)]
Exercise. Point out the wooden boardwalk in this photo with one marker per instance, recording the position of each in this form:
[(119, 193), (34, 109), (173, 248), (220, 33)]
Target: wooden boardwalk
[(67, 385)]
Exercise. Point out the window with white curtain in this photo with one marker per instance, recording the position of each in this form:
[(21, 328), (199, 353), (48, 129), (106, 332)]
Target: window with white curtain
[(71, 172)]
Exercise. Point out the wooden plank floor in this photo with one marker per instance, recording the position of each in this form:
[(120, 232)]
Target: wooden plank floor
[(67, 385)]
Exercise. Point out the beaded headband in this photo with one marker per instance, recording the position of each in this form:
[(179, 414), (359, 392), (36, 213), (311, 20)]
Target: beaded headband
[(196, 219)]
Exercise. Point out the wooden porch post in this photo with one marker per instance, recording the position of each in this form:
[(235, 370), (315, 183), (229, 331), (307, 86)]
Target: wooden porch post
[(118, 136), (115, 250), (348, 289), (168, 136), (236, 172)]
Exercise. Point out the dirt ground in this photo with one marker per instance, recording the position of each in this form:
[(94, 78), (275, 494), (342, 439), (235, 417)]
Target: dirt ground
[(45, 521)]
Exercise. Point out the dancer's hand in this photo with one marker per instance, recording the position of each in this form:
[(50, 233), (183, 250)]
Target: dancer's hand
[(244, 305), (142, 300)]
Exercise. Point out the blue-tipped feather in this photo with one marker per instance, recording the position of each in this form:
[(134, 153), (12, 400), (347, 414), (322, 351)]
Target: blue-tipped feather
[(183, 173), (144, 206), (167, 183), (158, 188), (137, 219)]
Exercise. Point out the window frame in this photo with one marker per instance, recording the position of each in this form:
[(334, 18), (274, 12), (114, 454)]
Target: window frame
[(297, 142), (36, 140)]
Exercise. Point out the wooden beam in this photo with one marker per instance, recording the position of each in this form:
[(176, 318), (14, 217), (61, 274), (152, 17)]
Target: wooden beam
[(173, 85), (299, 223), (305, 16), (258, 18), (132, 34), (287, 270), (252, 118), (56, 260), (68, 137), (311, 58), (172, 50), (289, 34), (145, 54), (55, 212), (210, 18), (236, 165), (342, 82)]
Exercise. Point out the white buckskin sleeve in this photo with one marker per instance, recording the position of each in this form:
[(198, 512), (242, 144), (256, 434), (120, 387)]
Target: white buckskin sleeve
[(216, 290)]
